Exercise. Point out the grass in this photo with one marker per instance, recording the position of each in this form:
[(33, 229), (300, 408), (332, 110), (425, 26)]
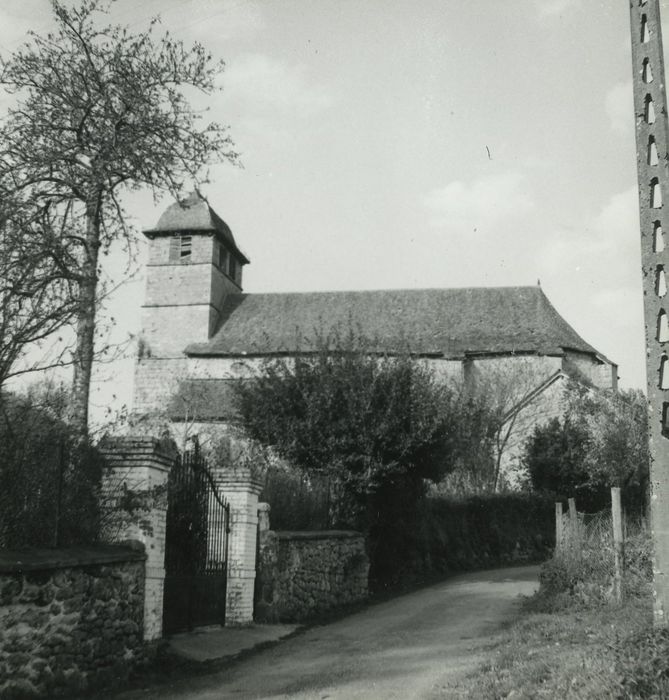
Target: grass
[(571, 641), (555, 651)]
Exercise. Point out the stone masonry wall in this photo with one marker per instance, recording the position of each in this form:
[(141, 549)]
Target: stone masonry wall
[(303, 574), (70, 619)]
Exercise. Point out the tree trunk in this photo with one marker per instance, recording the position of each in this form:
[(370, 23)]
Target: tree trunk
[(85, 343)]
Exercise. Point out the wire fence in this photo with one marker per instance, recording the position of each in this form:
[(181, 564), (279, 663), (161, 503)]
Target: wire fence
[(604, 556)]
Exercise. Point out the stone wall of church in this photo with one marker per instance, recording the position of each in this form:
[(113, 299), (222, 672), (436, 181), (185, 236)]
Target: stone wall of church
[(603, 376), (167, 330), (156, 381), (546, 406)]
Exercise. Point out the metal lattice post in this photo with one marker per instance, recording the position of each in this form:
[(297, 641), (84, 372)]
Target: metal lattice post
[(652, 132)]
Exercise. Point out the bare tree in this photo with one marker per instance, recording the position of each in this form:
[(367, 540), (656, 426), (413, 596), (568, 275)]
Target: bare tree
[(517, 397), (101, 111), (37, 289)]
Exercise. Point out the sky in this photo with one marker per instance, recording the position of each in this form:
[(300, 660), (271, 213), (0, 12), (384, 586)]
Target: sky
[(394, 144)]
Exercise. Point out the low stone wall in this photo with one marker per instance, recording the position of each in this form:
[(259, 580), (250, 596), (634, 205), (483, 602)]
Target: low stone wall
[(303, 574), (70, 619)]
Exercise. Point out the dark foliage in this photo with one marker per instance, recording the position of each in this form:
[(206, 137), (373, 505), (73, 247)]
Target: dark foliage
[(298, 501), (377, 427), (556, 461), (448, 535), (601, 442), (49, 483)]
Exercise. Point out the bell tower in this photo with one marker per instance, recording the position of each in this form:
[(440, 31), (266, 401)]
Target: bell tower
[(193, 265)]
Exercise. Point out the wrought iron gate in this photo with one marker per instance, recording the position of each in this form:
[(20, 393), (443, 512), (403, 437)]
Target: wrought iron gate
[(196, 547)]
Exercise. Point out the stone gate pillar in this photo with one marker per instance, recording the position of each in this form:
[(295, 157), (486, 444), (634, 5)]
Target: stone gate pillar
[(136, 473), (241, 488)]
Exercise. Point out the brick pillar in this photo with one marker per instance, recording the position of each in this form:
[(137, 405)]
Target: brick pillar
[(140, 465), (241, 490)]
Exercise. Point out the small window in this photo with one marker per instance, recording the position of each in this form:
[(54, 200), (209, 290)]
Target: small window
[(645, 33), (185, 248), (233, 268), (180, 249), (223, 257)]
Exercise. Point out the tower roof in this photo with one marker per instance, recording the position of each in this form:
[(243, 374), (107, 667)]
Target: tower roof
[(194, 214)]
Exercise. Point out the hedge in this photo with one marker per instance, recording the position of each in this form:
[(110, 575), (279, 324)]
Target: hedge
[(450, 535)]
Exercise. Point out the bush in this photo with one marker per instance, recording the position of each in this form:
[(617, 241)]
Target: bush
[(297, 501), (48, 487), (601, 441), (377, 426)]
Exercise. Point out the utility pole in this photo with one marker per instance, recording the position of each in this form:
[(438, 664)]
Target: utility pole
[(652, 134)]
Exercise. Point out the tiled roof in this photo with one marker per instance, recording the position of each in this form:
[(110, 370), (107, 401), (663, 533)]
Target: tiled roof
[(443, 322), (194, 214)]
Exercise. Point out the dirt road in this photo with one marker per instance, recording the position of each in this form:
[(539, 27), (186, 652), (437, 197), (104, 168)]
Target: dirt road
[(408, 647)]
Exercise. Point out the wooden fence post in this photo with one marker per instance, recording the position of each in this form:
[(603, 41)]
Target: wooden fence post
[(573, 522), (618, 543), (558, 526)]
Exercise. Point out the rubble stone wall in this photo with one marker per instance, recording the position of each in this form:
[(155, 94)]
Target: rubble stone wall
[(304, 574), (70, 619)]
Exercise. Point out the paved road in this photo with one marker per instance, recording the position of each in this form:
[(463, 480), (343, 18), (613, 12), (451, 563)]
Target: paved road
[(408, 647)]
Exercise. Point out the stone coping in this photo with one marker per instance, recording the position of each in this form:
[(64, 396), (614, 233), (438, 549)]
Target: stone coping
[(19, 560), (316, 534)]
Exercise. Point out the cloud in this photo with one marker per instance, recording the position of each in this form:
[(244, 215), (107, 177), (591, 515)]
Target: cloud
[(619, 107), (554, 8), (593, 272), (609, 241), (480, 204), (267, 83)]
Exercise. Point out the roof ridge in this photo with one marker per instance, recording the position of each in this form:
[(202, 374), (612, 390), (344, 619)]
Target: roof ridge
[(393, 289)]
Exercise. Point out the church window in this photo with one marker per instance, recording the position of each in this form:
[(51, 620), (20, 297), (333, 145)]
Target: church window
[(645, 33), (185, 248), (233, 268), (223, 257), (180, 249)]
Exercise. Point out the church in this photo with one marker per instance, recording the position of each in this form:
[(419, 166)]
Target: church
[(200, 331)]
